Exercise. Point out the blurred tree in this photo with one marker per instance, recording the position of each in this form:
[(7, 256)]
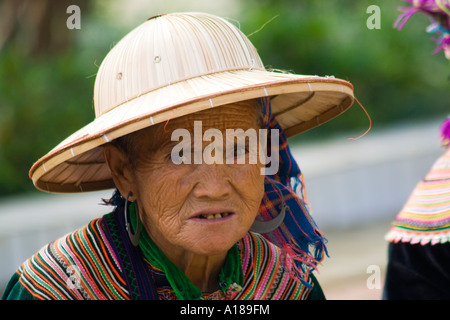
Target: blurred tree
[(38, 26), (48, 71), (395, 75), (43, 84)]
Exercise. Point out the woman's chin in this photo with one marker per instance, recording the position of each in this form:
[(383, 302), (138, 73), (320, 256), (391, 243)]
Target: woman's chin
[(214, 243), (213, 250)]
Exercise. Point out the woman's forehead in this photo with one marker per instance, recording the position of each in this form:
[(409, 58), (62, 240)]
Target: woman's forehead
[(232, 116), (242, 115)]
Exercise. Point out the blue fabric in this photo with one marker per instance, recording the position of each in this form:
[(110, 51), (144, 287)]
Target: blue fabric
[(299, 233)]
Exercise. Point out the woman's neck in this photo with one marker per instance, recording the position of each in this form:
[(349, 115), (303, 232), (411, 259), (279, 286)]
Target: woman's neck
[(202, 271)]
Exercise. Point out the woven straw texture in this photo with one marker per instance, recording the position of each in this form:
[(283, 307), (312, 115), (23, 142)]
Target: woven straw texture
[(173, 65)]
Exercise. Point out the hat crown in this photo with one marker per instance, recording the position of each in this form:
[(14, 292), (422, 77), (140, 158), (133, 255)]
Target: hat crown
[(167, 49)]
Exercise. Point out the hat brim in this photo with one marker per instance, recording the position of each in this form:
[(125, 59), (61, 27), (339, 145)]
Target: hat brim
[(298, 102)]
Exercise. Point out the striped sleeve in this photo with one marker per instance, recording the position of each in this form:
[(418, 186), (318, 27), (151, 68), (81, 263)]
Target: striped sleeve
[(268, 272), (15, 291), (79, 266)]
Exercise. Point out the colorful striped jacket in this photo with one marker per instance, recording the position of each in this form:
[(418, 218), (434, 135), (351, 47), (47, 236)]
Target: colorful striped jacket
[(98, 262)]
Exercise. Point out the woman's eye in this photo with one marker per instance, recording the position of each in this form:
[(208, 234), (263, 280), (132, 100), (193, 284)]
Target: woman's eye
[(184, 157), (240, 149)]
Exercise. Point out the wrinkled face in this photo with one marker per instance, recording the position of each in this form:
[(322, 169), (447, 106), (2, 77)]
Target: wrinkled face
[(199, 208)]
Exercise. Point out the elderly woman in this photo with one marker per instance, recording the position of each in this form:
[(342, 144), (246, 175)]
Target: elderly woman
[(197, 215)]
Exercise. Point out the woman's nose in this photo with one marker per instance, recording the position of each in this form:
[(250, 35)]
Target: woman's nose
[(213, 182)]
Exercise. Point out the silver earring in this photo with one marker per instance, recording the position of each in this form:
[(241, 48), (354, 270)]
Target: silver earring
[(134, 237), (270, 225)]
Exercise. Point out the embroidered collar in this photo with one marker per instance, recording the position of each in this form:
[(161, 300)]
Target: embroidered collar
[(230, 277)]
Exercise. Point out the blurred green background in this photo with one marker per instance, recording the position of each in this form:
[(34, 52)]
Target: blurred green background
[(47, 71)]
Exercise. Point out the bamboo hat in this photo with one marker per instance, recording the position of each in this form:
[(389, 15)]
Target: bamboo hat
[(170, 66)]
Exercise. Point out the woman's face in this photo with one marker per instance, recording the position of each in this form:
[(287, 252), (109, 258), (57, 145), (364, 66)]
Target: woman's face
[(198, 208)]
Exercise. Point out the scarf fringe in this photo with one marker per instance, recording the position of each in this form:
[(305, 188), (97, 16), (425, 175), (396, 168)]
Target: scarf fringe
[(422, 238), (298, 235), (304, 262)]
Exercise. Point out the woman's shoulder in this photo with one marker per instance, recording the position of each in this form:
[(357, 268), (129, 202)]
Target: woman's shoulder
[(15, 290), (80, 265), (274, 271)]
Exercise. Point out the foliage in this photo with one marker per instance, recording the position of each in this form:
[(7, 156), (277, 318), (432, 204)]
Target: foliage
[(47, 97), (42, 102), (395, 74)]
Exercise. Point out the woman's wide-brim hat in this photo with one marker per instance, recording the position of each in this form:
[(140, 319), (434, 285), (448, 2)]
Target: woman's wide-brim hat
[(173, 65)]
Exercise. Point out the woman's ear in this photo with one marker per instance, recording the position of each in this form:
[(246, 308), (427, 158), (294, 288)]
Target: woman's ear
[(121, 169)]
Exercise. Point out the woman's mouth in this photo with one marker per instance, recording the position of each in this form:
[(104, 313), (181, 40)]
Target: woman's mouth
[(211, 216)]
